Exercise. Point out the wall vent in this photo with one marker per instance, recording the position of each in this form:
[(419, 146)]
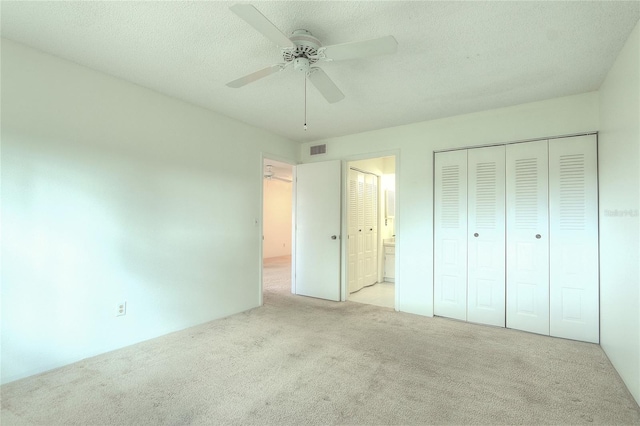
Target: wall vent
[(318, 149)]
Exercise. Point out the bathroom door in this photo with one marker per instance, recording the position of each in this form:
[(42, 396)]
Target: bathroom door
[(317, 218)]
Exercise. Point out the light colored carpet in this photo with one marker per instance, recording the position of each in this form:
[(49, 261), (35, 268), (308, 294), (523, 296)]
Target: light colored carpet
[(300, 360)]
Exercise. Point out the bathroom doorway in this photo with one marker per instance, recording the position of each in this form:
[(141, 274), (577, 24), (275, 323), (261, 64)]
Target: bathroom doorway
[(371, 231)]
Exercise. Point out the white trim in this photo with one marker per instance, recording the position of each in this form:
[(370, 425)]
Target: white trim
[(517, 141)]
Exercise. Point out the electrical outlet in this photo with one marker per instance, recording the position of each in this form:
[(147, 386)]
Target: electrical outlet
[(121, 309)]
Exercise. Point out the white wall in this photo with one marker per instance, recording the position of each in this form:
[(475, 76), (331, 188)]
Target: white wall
[(111, 192), (414, 171), (277, 215), (619, 161)]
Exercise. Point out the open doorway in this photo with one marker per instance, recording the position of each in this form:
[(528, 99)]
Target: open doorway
[(371, 231), (277, 226)]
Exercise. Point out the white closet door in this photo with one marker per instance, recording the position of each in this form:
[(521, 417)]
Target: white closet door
[(360, 236), (528, 237), (450, 268), (374, 227), (573, 209), (370, 217), (352, 230), (486, 236)]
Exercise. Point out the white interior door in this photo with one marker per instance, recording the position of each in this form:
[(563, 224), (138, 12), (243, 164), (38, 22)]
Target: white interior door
[(486, 236), (573, 214), (528, 237), (318, 230), (450, 233)]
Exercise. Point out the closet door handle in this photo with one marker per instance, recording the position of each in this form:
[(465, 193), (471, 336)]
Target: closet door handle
[(538, 236), (476, 235)]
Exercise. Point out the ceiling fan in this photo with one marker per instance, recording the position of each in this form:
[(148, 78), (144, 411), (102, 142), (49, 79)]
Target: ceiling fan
[(303, 50), (269, 174)]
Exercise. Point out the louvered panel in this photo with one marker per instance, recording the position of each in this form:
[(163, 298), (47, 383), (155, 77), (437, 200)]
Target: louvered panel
[(450, 184), (374, 231), (368, 204), (572, 192), (353, 202), (375, 200), (450, 233), (486, 195), (360, 200), (352, 224), (526, 193)]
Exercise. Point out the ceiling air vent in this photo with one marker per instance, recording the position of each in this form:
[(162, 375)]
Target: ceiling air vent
[(318, 149)]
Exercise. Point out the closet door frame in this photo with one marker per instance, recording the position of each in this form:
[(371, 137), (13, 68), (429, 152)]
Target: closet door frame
[(585, 328)]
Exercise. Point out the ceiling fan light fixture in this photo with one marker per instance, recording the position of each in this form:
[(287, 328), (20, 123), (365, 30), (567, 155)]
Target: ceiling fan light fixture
[(301, 64), (268, 173)]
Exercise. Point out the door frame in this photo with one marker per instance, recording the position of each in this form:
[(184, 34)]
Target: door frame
[(343, 217), (260, 221)]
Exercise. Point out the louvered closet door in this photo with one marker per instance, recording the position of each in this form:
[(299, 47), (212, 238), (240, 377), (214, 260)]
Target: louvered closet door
[(573, 214), (360, 235), (528, 237), (450, 243), (352, 229), (370, 228), (375, 217), (486, 236)]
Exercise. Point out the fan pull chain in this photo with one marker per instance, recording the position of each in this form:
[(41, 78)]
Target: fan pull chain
[(305, 103)]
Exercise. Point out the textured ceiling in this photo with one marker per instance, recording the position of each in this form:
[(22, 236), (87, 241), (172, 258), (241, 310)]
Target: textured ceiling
[(453, 57)]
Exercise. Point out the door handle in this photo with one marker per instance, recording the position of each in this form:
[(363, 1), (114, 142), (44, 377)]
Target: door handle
[(476, 235), (334, 237), (538, 236)]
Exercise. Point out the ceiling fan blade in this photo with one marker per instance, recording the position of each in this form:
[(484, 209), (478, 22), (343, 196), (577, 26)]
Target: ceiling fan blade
[(325, 85), (359, 49), (258, 21), (255, 76)]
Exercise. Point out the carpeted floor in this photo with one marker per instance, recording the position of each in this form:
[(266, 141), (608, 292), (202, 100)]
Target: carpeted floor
[(300, 360)]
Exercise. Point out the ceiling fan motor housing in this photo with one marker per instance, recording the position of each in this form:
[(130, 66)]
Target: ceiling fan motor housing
[(306, 49)]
